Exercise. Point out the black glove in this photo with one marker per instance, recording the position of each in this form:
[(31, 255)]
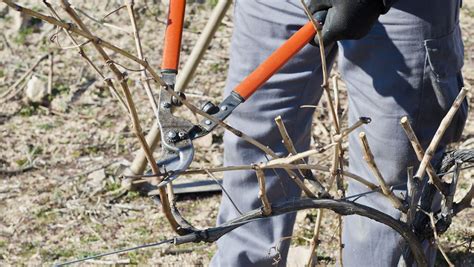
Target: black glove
[(347, 19)]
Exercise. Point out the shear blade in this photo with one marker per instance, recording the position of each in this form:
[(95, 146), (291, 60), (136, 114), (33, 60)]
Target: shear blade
[(175, 163)]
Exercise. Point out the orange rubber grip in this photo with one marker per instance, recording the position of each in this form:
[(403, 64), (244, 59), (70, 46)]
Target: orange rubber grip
[(276, 60), (173, 35)]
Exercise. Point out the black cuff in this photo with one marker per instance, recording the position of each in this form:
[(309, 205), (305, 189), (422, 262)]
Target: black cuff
[(387, 4)]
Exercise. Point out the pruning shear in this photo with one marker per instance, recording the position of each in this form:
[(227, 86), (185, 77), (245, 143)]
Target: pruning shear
[(177, 133)]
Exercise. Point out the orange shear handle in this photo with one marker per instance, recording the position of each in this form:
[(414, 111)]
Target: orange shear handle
[(276, 60), (173, 35)]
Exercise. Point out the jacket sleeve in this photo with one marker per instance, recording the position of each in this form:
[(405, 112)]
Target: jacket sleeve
[(387, 4)]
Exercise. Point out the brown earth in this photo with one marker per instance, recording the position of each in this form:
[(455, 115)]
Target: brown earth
[(66, 205)]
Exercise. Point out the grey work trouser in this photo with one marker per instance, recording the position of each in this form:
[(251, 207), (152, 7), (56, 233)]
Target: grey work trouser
[(409, 64)]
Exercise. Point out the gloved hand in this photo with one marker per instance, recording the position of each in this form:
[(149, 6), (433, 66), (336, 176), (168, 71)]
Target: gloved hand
[(347, 19)]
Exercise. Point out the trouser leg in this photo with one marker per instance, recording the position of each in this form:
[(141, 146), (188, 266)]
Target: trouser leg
[(260, 27), (410, 65)]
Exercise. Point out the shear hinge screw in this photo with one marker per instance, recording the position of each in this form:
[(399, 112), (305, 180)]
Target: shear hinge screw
[(166, 105), (207, 122), (172, 135)]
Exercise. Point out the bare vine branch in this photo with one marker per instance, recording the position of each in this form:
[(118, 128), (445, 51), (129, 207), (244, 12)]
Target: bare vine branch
[(133, 112)]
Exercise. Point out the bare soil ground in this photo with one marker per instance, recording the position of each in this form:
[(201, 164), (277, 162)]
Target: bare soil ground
[(60, 165)]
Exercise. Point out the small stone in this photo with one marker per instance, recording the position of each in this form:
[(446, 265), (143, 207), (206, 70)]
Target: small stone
[(36, 90)]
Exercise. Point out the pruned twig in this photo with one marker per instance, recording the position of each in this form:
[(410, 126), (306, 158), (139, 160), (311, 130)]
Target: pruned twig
[(290, 147), (414, 186), (262, 192), (315, 239), (436, 238), (136, 34), (419, 151), (430, 152), (369, 158)]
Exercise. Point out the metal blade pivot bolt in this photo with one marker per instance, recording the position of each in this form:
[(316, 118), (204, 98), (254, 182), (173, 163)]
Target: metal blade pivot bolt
[(166, 105), (207, 122), (210, 108), (172, 135)]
